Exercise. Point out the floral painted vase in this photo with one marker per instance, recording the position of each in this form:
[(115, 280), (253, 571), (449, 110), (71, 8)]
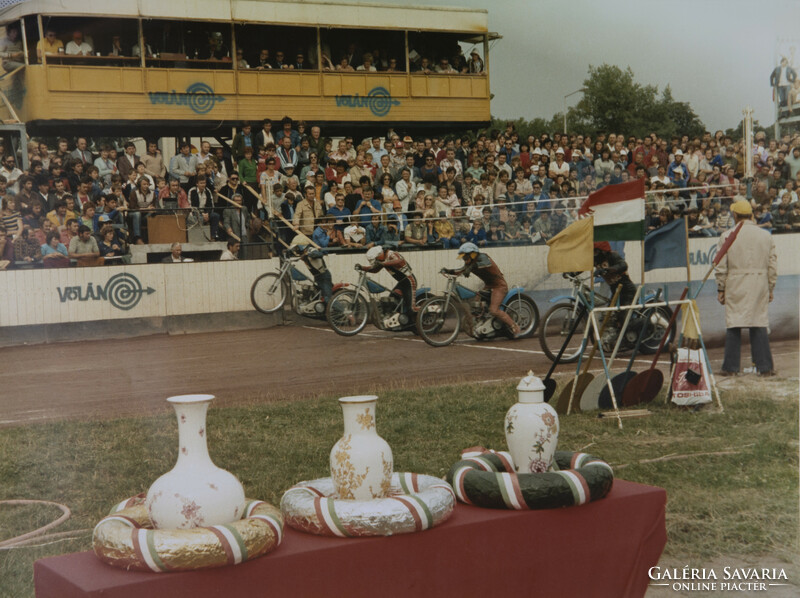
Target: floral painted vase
[(361, 461), (531, 428), (196, 493)]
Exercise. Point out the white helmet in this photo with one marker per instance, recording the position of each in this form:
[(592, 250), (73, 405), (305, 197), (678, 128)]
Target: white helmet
[(373, 253), (468, 248)]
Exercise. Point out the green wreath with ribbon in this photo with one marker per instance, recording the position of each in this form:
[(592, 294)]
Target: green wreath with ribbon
[(488, 479)]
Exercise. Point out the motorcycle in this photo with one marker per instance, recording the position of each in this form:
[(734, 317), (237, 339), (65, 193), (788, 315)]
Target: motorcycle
[(441, 318), (271, 290), (350, 309), (572, 310)]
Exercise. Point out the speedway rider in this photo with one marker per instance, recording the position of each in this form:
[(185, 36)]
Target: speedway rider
[(484, 267), (314, 260), (397, 267), (614, 270)]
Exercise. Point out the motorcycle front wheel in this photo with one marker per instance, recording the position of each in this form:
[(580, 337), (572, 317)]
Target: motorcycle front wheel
[(438, 321), (347, 313), (269, 293), (555, 328)]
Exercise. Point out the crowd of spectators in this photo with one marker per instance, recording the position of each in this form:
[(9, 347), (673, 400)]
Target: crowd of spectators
[(214, 49), (88, 204)]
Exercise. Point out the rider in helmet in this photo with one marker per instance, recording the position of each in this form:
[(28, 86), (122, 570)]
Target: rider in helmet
[(314, 260), (482, 266), (396, 265), (614, 270)]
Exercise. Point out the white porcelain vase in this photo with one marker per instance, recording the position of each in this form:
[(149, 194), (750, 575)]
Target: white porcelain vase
[(361, 461), (531, 428), (195, 493)]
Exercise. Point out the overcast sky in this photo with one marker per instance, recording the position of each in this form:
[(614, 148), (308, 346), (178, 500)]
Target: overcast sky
[(715, 54)]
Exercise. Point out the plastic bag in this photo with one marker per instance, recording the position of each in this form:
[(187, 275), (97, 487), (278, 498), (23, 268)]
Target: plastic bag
[(684, 392)]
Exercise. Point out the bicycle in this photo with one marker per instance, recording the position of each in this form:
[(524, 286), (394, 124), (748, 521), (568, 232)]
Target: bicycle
[(441, 318), (574, 309), (352, 308), (271, 290)]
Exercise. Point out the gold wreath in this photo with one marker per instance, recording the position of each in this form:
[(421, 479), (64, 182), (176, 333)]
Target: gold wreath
[(126, 538)]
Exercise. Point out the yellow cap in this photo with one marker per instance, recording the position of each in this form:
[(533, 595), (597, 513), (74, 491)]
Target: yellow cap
[(742, 207)]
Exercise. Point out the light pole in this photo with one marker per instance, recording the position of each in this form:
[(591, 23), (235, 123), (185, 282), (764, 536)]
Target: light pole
[(565, 105)]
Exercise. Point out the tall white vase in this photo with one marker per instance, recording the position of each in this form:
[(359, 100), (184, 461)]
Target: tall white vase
[(361, 461), (531, 428), (195, 493)]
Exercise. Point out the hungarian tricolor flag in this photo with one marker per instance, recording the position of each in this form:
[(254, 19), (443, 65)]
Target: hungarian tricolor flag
[(618, 212)]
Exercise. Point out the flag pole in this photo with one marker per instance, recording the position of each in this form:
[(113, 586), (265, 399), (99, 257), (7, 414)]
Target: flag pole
[(688, 266)]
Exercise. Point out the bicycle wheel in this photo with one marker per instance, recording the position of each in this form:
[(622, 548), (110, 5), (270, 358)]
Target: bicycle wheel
[(269, 293), (656, 331), (555, 328), (347, 312), (438, 321), (525, 313)]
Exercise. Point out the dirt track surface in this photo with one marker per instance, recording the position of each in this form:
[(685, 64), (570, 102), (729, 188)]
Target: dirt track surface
[(134, 376)]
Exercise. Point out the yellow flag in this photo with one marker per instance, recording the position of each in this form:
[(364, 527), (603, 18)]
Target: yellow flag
[(690, 331), (572, 249)]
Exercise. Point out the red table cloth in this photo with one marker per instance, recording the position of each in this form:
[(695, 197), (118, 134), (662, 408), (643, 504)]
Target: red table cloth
[(602, 549)]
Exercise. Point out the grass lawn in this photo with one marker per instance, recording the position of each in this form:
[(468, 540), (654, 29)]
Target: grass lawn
[(743, 502)]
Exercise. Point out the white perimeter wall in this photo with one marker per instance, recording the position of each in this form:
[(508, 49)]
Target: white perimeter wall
[(31, 297)]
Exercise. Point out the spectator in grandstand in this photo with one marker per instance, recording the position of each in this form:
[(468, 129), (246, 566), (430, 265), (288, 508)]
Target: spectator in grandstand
[(248, 172), (375, 232), (286, 154), (280, 62), (172, 197), (6, 250), (366, 63), (78, 46), (475, 65), (105, 165), (183, 166), (244, 138), (81, 152), (83, 247), (367, 206), (117, 49), (152, 160), (355, 235), (782, 218), (781, 80), (175, 255), (241, 63), (27, 247), (231, 252), (11, 174), (724, 220), (263, 63), (11, 49), (236, 220), (126, 163), (50, 45), (148, 49), (109, 245), (762, 218), (59, 216), (307, 212), (287, 131), (202, 198)]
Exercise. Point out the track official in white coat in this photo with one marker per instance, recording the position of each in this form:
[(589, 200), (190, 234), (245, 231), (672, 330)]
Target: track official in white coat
[(746, 277)]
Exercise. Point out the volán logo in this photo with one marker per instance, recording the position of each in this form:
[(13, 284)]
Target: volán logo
[(123, 291), (198, 96), (378, 100)]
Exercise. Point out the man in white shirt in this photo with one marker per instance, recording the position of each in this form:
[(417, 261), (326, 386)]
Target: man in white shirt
[(78, 47), (11, 173), (231, 252)]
